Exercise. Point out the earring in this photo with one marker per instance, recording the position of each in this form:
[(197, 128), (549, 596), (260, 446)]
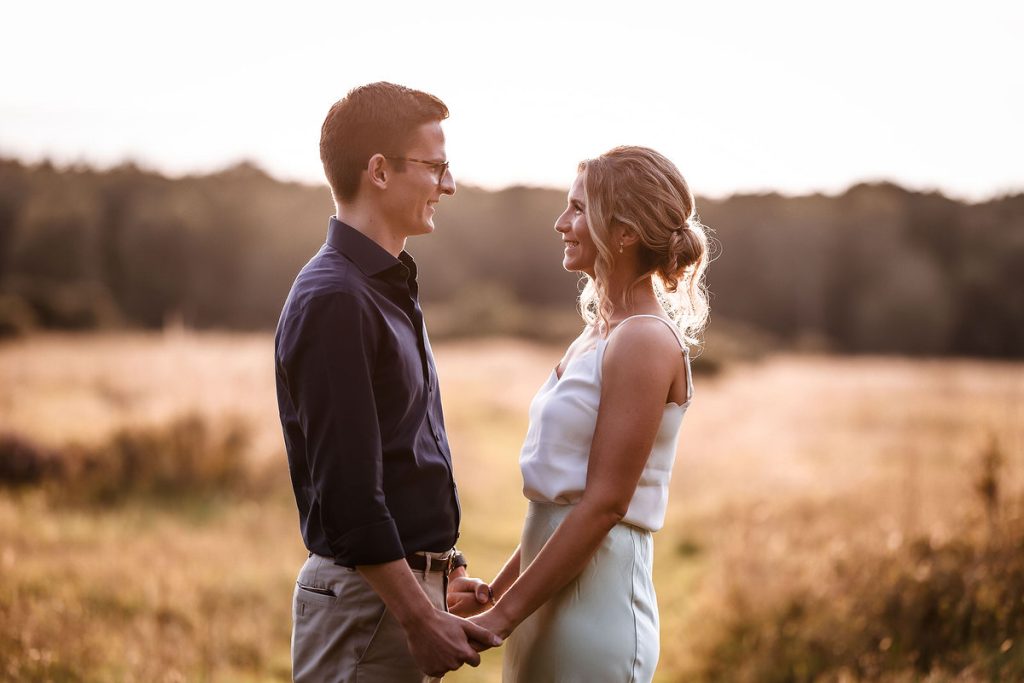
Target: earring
[(622, 243)]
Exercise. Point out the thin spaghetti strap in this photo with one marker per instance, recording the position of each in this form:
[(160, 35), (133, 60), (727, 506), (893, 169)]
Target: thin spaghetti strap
[(689, 374)]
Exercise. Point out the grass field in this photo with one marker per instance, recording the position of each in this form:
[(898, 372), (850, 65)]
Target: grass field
[(787, 468)]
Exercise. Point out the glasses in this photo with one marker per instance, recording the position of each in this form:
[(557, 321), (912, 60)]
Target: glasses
[(442, 165)]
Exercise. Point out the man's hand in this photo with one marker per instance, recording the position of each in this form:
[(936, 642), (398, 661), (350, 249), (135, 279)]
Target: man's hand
[(443, 642), (438, 641), (468, 596)]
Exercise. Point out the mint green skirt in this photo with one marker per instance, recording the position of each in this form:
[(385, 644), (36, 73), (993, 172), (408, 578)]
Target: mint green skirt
[(603, 626)]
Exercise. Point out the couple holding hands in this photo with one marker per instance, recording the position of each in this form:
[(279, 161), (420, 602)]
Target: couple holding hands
[(384, 594)]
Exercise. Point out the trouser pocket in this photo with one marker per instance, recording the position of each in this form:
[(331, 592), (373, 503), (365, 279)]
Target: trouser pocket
[(336, 615)]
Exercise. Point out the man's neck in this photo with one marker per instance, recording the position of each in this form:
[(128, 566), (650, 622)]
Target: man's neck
[(369, 223)]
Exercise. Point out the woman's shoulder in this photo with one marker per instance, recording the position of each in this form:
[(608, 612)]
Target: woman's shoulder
[(644, 342), (647, 329)]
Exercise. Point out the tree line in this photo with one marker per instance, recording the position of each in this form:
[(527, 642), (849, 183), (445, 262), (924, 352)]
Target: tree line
[(875, 269)]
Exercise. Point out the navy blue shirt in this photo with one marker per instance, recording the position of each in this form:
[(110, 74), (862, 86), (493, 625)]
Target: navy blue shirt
[(360, 407)]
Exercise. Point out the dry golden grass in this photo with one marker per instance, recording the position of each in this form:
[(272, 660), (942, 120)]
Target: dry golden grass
[(783, 466)]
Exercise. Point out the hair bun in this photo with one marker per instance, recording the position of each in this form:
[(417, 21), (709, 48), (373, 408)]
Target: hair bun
[(640, 189), (678, 244)]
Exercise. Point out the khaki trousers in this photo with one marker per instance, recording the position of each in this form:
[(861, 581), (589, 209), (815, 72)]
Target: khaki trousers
[(343, 633)]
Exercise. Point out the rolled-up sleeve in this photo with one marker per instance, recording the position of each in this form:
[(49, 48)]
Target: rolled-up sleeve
[(330, 382)]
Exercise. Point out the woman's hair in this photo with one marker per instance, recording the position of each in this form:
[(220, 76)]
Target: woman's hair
[(640, 189), (379, 118)]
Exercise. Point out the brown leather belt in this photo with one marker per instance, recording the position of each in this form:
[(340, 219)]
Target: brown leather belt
[(425, 563)]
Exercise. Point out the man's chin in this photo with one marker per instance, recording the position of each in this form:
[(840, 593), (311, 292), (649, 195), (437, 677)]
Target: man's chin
[(424, 228)]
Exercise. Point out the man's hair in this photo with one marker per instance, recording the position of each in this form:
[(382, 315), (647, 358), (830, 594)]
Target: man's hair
[(376, 118)]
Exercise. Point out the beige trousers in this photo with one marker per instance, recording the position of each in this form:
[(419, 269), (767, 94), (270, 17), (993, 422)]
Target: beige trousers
[(343, 633)]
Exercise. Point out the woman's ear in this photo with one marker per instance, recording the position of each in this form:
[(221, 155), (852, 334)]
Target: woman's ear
[(628, 237), (377, 171)]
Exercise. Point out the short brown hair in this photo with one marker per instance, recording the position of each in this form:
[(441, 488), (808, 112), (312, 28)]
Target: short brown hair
[(376, 118)]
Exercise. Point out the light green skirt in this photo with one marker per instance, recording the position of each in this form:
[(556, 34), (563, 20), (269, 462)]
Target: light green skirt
[(603, 626)]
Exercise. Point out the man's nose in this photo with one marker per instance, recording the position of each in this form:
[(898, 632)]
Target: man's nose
[(448, 183)]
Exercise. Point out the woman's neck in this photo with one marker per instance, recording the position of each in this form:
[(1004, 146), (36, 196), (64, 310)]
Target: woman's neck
[(636, 300)]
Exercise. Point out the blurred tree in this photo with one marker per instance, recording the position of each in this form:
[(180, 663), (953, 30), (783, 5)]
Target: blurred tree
[(876, 269), (13, 190)]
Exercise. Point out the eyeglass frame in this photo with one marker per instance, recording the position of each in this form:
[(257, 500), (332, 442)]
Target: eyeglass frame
[(443, 165)]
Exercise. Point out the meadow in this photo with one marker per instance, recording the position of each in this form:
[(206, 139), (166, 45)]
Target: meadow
[(830, 518)]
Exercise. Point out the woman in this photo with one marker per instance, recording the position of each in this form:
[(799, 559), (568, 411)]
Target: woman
[(577, 598)]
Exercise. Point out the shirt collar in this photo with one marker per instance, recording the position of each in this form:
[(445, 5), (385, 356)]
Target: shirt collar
[(369, 257)]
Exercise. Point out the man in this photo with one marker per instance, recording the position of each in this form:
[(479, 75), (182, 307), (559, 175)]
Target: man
[(358, 396)]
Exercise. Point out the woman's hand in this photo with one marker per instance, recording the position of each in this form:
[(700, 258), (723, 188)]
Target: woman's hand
[(468, 596), (495, 621)]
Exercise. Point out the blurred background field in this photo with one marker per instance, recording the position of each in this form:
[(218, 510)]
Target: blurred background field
[(847, 503), (832, 518), (848, 498)]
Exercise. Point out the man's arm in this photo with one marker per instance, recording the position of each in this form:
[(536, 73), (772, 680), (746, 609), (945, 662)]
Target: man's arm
[(331, 355)]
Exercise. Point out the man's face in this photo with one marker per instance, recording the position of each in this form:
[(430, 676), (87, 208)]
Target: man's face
[(414, 192)]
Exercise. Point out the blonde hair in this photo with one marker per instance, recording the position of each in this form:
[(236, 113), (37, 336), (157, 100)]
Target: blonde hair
[(640, 189)]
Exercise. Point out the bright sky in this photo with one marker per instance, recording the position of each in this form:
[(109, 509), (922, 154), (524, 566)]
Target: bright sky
[(743, 96)]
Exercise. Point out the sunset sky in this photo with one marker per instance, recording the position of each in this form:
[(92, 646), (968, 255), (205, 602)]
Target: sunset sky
[(792, 96)]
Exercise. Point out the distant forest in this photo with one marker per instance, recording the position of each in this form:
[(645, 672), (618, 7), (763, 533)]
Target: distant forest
[(876, 269)]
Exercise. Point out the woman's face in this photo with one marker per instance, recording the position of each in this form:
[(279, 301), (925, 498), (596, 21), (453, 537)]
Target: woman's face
[(580, 251)]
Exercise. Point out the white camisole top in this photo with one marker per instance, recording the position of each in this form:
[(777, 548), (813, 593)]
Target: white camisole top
[(563, 415)]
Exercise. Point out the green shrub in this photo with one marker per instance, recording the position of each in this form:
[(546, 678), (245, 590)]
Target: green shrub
[(184, 457), (927, 610), (23, 463), (16, 316)]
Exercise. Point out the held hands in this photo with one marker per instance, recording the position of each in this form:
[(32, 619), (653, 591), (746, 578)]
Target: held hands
[(468, 596), (473, 598), (495, 621), (442, 642)]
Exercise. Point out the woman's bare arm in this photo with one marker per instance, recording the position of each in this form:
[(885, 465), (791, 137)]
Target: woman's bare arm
[(507, 576), (640, 364)]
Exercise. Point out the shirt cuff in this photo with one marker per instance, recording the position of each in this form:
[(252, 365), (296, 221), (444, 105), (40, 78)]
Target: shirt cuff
[(371, 544)]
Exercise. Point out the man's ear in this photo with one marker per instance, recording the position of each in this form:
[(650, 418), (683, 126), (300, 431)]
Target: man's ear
[(377, 171)]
